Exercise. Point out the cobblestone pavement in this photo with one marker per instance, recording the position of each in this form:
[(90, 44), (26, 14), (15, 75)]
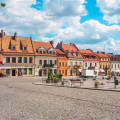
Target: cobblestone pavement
[(22, 100)]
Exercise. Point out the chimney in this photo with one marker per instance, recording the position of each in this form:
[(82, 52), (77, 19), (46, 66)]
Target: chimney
[(98, 52), (2, 33), (15, 35), (51, 42), (103, 52)]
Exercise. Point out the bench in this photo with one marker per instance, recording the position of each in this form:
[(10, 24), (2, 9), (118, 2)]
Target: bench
[(66, 81), (73, 81)]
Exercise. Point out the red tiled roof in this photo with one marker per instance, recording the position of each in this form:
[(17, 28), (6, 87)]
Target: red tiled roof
[(7, 41), (88, 53), (101, 55), (59, 51), (70, 48), (45, 45)]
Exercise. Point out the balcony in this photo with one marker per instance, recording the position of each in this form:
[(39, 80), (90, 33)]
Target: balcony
[(48, 65)]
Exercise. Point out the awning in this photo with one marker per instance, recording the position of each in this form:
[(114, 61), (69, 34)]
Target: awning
[(115, 70), (101, 70), (80, 70), (5, 67)]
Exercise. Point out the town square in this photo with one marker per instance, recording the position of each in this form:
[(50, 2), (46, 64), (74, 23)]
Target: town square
[(59, 60)]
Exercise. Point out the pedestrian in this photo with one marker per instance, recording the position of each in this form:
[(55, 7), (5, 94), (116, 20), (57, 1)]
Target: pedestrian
[(115, 77)]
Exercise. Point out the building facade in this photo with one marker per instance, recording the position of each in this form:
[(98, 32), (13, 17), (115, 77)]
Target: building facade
[(62, 63), (75, 59), (114, 63), (104, 63), (91, 61), (17, 55), (45, 58)]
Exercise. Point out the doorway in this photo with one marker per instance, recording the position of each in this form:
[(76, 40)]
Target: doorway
[(65, 72), (40, 72), (70, 72), (13, 72)]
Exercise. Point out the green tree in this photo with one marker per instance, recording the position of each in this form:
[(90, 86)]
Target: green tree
[(2, 4)]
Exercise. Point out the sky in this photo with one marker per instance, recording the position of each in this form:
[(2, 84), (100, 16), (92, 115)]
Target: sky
[(93, 24)]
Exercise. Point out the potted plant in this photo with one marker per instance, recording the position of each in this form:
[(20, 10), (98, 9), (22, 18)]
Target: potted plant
[(62, 82)]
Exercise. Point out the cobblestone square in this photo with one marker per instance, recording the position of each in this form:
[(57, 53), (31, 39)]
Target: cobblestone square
[(22, 100)]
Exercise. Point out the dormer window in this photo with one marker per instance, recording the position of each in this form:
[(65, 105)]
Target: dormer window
[(69, 54), (43, 52), (50, 52), (25, 48), (40, 51), (53, 52), (13, 47)]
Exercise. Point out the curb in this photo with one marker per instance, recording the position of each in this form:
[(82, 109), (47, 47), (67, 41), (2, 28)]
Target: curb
[(78, 87)]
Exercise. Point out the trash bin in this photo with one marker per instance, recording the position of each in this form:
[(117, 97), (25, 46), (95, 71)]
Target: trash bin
[(116, 82)]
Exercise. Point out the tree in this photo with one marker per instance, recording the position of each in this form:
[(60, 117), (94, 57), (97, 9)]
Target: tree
[(2, 4)]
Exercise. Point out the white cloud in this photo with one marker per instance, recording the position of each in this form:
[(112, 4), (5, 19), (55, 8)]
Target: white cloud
[(61, 8), (90, 32), (110, 9)]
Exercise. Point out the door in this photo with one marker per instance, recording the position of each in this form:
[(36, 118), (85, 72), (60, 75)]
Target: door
[(40, 72), (65, 72), (13, 72), (70, 72)]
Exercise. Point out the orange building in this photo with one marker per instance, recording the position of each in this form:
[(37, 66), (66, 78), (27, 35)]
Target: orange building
[(62, 62), (104, 62)]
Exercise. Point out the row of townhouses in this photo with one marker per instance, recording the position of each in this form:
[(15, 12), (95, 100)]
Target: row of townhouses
[(33, 58)]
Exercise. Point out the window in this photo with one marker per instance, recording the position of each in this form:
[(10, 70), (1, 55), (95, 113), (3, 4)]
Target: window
[(50, 52), (100, 66), (13, 47), (55, 71), (65, 63), (30, 60), (40, 52), (74, 54), (45, 72), (62, 63), (85, 64), (25, 71), (118, 65), (115, 65), (53, 52), (7, 71), (19, 59), (59, 63), (75, 63), (45, 61), (59, 71), (63, 71), (7, 59), (50, 61), (71, 63), (13, 59), (95, 64), (30, 71), (25, 48), (55, 62), (25, 59), (80, 63), (90, 64), (40, 62), (43, 52)]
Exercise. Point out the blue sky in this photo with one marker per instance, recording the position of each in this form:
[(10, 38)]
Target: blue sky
[(91, 24)]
